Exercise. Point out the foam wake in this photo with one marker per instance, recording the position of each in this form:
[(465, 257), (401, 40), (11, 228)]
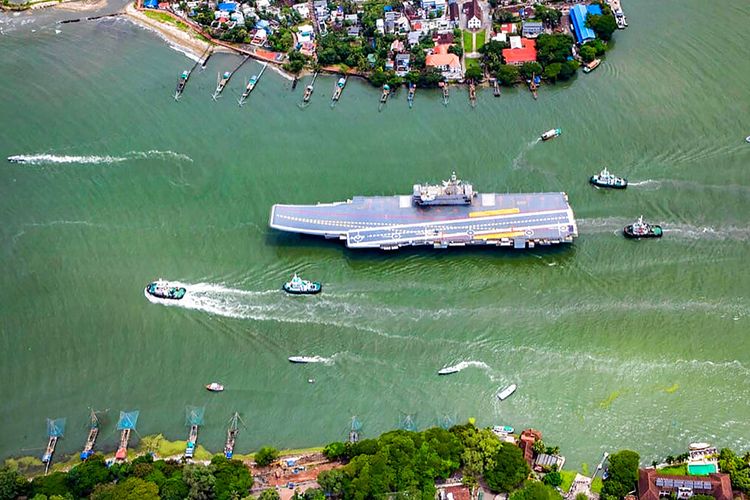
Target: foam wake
[(52, 159), (466, 364)]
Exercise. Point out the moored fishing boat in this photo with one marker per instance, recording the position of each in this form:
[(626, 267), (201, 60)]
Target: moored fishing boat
[(298, 286), (410, 95), (164, 290), (640, 229), (181, 82), (591, 66), (214, 387), (607, 180), (551, 134), (223, 79), (505, 393)]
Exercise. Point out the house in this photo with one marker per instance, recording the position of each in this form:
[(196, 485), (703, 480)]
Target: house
[(545, 462), (353, 31), (453, 14), (448, 64), (578, 14), (473, 15), (532, 29), (500, 37), (227, 7), (351, 19), (443, 38), (402, 64), (389, 65), (529, 436), (654, 486), (321, 10), (380, 26), (397, 46), (434, 5), (520, 55), (508, 28), (262, 5), (303, 9), (305, 33), (401, 23), (413, 38), (515, 42)]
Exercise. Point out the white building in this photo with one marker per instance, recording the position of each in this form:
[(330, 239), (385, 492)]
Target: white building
[(303, 9)]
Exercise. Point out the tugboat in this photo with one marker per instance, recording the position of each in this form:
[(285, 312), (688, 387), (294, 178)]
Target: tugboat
[(298, 286), (551, 134), (607, 180), (452, 192), (163, 290), (214, 387), (640, 229)]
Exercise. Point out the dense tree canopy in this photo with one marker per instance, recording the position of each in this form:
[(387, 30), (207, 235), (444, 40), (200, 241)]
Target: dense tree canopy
[(737, 467), (266, 455), (623, 474), (84, 477), (10, 482), (587, 53), (534, 490), (507, 74), (233, 478), (603, 25), (509, 469), (553, 48), (530, 69)]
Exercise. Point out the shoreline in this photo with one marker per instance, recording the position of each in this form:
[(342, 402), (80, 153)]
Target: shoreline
[(184, 41)]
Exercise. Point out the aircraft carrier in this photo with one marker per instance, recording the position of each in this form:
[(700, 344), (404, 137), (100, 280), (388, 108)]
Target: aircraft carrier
[(446, 215)]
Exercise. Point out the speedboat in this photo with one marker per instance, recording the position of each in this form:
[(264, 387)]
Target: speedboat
[(20, 159), (747, 139), (215, 387), (551, 134), (164, 290), (640, 229), (448, 371), (503, 429), (303, 359), (505, 393), (298, 286), (607, 180)]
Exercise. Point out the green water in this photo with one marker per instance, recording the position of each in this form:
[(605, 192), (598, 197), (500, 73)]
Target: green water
[(612, 343)]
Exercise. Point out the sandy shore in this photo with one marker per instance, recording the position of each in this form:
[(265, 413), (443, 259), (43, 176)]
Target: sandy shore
[(83, 6), (173, 35)]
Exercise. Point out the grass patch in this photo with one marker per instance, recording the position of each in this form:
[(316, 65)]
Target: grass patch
[(471, 63), (166, 19), (480, 41), (567, 479), (597, 485), (468, 41), (675, 470)]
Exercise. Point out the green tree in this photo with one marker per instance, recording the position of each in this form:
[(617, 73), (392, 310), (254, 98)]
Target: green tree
[(553, 48), (588, 53), (507, 74), (534, 490), (504, 16), (547, 15), (530, 69), (567, 70), (457, 49), (314, 494), (551, 73), (623, 474), (474, 73), (233, 479), (281, 40), (49, 485), (174, 488), (582, 496), (331, 482), (200, 481), (509, 470), (335, 451), (83, 478), (603, 25), (132, 488), (10, 483), (553, 478), (266, 455), (269, 494), (599, 49)]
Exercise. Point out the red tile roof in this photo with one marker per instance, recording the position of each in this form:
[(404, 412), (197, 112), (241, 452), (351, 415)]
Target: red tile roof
[(721, 485), (522, 55)]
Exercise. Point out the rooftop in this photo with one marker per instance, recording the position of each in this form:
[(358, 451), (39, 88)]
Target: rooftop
[(526, 53)]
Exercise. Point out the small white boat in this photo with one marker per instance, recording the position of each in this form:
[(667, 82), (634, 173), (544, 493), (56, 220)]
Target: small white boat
[(215, 387), (551, 134), (505, 393), (304, 359), (747, 139), (449, 370)]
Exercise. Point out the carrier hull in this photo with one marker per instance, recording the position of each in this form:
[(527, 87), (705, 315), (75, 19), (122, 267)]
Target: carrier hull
[(391, 222)]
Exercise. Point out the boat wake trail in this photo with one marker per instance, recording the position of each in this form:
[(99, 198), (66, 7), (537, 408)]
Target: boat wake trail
[(52, 159), (466, 364), (648, 183)]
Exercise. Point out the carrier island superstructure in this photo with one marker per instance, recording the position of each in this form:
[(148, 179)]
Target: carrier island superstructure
[(446, 215)]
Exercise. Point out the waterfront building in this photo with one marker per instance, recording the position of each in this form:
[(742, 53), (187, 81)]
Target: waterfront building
[(578, 15), (473, 15), (453, 14), (303, 9), (544, 462), (402, 64), (654, 486), (517, 56), (532, 29), (434, 5), (448, 64), (526, 442)]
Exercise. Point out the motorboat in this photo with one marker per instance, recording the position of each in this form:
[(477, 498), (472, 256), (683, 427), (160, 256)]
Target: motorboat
[(214, 387), (640, 229), (505, 393), (304, 359), (298, 286), (607, 180), (551, 134), (21, 159), (449, 370), (164, 290), (589, 67)]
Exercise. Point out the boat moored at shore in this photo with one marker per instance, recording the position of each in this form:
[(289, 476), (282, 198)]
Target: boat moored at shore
[(181, 82), (640, 229), (165, 290), (298, 286), (606, 180)]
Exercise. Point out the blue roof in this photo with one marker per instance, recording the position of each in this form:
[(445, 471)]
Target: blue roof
[(151, 4), (578, 19), (594, 9), (227, 6)]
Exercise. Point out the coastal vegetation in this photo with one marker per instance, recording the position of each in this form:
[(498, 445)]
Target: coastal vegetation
[(623, 475)]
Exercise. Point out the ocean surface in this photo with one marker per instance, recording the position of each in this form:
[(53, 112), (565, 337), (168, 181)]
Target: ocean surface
[(613, 343)]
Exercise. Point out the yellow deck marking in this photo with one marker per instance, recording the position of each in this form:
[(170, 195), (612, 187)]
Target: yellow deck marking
[(487, 213), (497, 236)]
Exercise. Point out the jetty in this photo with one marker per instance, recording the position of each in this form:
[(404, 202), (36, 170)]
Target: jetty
[(126, 426), (55, 430), (337, 90), (472, 93), (208, 56), (193, 419), (534, 85), (91, 18), (309, 90), (354, 429), (495, 87), (88, 448), (410, 95), (224, 79), (444, 86), (232, 431), (384, 96), (294, 82), (251, 85), (183, 79)]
